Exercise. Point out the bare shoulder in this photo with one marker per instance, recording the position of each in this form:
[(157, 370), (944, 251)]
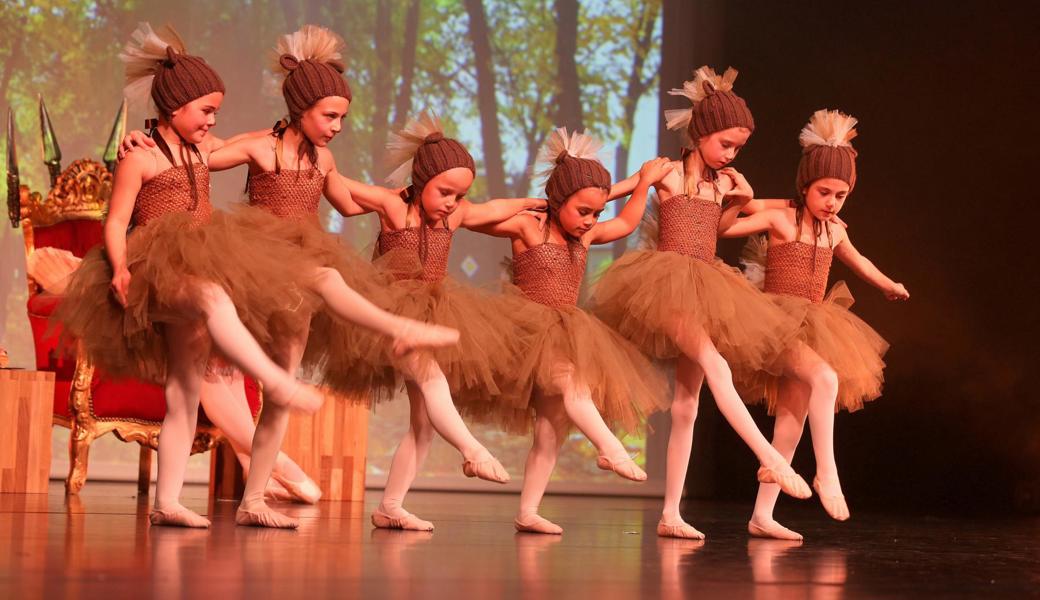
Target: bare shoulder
[(456, 218), (839, 235), (674, 177), (142, 164), (326, 160), (783, 223)]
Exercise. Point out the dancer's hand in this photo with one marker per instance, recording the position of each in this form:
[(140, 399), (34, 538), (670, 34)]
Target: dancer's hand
[(121, 285), (134, 139), (741, 191), (897, 292), (539, 215), (654, 170)]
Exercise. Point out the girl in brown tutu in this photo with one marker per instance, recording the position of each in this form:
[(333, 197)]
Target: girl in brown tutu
[(678, 301), (417, 226), (835, 362), (284, 202), (151, 304), (577, 370)]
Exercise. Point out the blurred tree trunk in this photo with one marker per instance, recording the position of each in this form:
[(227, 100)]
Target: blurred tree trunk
[(568, 101), (635, 88), (382, 85), (487, 103), (403, 102), (291, 10)]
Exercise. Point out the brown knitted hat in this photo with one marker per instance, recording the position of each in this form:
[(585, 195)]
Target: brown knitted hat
[(572, 175), (714, 105), (310, 80), (571, 165), (181, 79), (436, 155), (310, 60), (421, 152), (826, 149), (718, 111)]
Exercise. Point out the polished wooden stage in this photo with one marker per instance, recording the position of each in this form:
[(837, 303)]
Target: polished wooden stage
[(100, 545)]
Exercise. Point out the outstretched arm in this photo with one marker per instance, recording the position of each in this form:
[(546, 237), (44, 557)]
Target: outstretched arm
[(772, 203), (336, 191), (865, 269), (757, 223), (758, 205), (512, 228), (496, 211), (232, 154), (140, 139), (632, 214), (369, 198), (624, 187)]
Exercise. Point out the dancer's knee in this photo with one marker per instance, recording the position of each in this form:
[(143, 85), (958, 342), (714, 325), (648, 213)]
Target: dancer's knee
[(684, 410)]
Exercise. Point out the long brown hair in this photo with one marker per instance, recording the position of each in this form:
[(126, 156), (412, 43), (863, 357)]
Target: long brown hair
[(185, 153), (818, 226)]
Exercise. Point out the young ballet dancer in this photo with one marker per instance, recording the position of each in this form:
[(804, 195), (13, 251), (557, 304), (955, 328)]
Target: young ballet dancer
[(285, 204), (577, 370), (836, 360), (416, 229), (678, 301), (151, 303)]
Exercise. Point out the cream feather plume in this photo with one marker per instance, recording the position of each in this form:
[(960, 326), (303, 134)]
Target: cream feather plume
[(753, 257), (650, 225), (575, 144), (142, 57), (310, 42), (402, 146), (828, 128), (693, 90)]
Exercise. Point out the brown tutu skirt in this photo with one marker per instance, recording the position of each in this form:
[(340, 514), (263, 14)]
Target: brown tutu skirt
[(844, 341), (327, 331), (266, 276), (361, 363), (625, 386), (649, 296)]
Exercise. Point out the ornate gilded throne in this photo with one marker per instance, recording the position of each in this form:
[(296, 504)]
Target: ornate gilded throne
[(87, 401)]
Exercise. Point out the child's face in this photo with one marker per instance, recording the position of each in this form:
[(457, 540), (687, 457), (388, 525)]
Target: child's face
[(323, 121), (825, 197), (193, 120), (441, 195), (720, 148), (581, 211)]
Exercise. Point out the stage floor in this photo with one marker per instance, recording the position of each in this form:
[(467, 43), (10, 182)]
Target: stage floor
[(100, 546)]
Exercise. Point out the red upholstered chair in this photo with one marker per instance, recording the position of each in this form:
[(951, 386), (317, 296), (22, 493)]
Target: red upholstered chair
[(86, 400)]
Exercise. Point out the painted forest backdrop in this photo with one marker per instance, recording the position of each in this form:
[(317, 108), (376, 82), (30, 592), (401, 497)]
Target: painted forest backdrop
[(501, 74)]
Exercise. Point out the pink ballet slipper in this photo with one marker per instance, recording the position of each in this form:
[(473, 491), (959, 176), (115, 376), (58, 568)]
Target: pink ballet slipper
[(306, 491), (179, 517), (625, 467), (772, 530), (681, 530), (488, 468), (834, 504), (783, 475), (406, 521), (537, 524), (264, 516)]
